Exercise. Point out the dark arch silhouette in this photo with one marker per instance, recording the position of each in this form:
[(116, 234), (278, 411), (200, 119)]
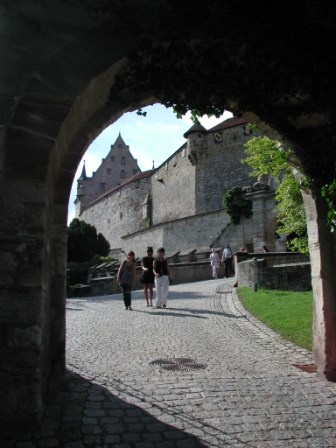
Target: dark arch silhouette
[(68, 71)]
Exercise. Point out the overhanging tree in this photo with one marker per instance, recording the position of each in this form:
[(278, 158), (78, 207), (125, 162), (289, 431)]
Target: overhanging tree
[(268, 157)]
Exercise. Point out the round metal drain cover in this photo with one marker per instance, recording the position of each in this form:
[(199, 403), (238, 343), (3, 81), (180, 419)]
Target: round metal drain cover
[(184, 364)]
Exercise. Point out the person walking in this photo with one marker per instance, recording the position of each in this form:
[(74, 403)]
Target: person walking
[(148, 276), (161, 272), (126, 278), (214, 262), (227, 260)]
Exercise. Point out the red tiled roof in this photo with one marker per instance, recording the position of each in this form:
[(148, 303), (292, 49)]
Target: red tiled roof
[(229, 123)]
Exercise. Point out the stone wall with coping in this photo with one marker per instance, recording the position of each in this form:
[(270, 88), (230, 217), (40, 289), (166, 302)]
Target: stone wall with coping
[(185, 272), (284, 271)]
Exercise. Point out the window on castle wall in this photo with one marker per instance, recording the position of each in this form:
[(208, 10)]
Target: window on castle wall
[(135, 171), (122, 174), (123, 161), (112, 158), (102, 186), (108, 170)]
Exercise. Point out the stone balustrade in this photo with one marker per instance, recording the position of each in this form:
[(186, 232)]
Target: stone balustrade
[(273, 270)]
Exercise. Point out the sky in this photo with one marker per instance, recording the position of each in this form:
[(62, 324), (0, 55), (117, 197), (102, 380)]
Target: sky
[(151, 139)]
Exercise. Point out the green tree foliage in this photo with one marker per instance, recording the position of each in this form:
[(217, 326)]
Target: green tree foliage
[(291, 214), (329, 193), (103, 246), (236, 205), (84, 243), (267, 157)]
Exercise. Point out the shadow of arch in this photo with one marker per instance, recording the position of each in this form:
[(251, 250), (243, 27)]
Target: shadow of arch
[(94, 413)]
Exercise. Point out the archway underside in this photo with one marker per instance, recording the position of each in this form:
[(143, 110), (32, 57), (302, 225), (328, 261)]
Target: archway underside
[(80, 74)]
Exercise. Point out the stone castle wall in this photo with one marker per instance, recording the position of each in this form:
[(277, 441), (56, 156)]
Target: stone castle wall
[(173, 189), (219, 169), (179, 205), (180, 235), (121, 212), (256, 231)]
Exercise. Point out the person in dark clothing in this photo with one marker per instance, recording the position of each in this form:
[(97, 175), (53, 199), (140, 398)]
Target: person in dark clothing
[(227, 260), (148, 276), (161, 272), (126, 278)]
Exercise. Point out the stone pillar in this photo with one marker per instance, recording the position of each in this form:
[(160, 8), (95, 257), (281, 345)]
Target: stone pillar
[(263, 219), (57, 296), (24, 301), (322, 247)]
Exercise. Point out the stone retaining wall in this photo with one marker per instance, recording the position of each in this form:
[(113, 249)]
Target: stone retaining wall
[(284, 271), (278, 270)]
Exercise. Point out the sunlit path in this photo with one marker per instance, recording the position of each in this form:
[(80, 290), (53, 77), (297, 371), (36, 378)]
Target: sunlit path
[(248, 394)]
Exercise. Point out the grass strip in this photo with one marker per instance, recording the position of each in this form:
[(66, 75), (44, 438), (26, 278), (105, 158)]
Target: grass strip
[(289, 313)]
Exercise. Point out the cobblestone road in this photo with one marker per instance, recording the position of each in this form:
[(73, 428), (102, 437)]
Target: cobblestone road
[(242, 389)]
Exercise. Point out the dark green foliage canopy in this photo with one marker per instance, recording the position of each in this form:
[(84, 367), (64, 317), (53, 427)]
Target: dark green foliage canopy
[(236, 205), (212, 59), (84, 242)]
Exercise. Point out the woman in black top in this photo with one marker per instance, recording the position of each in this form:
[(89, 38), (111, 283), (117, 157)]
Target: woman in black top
[(148, 276)]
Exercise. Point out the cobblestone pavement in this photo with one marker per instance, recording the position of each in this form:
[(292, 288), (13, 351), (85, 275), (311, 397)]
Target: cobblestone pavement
[(241, 389)]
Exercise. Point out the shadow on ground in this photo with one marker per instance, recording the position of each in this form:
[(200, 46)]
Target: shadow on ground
[(89, 415)]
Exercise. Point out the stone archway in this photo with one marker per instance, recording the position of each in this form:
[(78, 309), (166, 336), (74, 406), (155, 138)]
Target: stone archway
[(56, 97)]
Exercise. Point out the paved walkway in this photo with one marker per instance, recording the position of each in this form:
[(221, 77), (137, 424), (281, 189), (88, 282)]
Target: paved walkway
[(236, 386)]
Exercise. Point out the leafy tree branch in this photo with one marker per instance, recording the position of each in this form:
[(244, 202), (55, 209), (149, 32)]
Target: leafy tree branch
[(268, 157)]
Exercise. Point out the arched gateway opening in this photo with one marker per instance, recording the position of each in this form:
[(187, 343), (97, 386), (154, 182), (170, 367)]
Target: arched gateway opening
[(80, 70)]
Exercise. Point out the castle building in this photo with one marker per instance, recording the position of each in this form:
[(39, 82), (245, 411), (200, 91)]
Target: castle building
[(118, 166), (179, 204)]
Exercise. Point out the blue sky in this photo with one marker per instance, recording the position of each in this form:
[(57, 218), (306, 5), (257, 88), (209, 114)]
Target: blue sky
[(153, 137)]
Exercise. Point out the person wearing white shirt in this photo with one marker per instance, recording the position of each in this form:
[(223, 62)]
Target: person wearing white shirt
[(227, 260)]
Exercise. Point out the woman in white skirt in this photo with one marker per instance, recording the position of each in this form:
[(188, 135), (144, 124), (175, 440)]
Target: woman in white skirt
[(161, 272)]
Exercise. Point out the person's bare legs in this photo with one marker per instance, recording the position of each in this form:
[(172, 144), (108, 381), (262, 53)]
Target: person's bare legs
[(151, 295), (146, 293)]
